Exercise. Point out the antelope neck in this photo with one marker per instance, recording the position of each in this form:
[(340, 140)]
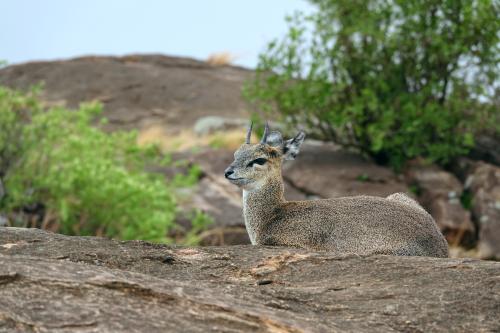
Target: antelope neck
[(260, 203)]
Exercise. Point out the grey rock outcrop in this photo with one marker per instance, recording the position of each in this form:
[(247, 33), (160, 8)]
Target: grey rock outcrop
[(138, 90), (440, 193), (211, 124), (55, 283), (484, 183), (326, 171)]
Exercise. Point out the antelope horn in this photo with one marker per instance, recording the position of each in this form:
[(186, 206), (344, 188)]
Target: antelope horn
[(249, 133), (266, 132)]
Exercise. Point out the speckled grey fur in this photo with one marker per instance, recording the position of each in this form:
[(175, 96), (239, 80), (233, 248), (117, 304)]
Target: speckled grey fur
[(395, 225)]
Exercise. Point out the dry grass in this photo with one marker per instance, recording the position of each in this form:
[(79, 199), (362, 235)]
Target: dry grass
[(460, 252), (186, 139), (221, 59)]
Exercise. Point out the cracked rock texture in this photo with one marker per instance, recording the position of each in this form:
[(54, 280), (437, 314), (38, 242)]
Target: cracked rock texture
[(56, 283)]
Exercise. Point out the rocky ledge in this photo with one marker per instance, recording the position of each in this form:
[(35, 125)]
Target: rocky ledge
[(55, 283)]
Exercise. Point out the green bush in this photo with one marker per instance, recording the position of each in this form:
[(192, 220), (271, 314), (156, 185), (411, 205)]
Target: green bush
[(394, 79), (89, 181)]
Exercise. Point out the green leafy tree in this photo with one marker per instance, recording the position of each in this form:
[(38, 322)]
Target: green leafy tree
[(394, 78), (89, 181)]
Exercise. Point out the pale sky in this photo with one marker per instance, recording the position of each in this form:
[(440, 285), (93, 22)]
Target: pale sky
[(58, 29)]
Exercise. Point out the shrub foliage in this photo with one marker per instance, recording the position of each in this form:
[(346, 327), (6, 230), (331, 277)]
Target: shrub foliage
[(393, 78), (89, 181)]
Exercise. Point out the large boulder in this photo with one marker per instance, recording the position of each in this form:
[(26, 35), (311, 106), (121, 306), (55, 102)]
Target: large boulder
[(440, 192), (54, 283), (138, 90), (484, 183), (324, 170)]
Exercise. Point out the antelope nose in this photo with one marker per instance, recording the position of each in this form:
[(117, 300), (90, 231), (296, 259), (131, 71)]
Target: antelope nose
[(228, 172)]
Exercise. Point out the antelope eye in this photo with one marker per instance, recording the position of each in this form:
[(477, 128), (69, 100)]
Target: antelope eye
[(259, 161)]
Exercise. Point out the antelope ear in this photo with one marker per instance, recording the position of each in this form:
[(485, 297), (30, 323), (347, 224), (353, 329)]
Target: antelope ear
[(291, 147), (274, 139)]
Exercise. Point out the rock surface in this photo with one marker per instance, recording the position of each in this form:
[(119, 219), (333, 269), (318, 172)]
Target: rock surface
[(138, 90), (326, 171), (211, 124), (484, 183), (55, 283), (440, 192)]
